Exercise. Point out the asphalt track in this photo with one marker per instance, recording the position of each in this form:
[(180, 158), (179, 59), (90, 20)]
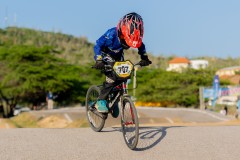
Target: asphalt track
[(166, 143), (149, 116), (165, 134)]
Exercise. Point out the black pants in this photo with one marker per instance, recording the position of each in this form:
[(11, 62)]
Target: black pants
[(111, 79), (108, 85)]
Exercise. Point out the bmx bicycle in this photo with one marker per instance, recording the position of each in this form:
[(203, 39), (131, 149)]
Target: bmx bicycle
[(128, 112)]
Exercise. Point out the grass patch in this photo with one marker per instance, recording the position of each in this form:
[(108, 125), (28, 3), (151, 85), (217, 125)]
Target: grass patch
[(27, 120), (24, 120)]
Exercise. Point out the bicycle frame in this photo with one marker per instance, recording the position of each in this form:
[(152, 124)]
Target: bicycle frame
[(122, 89), (118, 94)]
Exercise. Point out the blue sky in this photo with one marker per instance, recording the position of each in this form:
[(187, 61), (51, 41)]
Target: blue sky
[(189, 28)]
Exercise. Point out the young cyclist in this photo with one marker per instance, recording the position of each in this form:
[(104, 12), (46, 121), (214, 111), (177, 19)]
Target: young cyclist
[(109, 48)]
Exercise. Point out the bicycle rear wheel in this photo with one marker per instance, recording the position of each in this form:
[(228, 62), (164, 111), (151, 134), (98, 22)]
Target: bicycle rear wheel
[(129, 123), (96, 120)]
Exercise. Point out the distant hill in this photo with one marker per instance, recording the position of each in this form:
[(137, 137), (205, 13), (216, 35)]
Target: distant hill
[(218, 63), (78, 50), (72, 48), (154, 84)]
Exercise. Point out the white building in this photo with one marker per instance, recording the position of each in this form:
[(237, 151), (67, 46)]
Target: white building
[(229, 71), (199, 64), (178, 64)]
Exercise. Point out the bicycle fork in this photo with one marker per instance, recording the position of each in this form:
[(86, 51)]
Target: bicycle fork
[(130, 122)]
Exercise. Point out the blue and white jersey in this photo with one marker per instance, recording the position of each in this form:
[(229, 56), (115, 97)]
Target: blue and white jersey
[(109, 43)]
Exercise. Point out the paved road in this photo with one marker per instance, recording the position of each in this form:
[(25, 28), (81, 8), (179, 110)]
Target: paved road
[(163, 143), (147, 116)]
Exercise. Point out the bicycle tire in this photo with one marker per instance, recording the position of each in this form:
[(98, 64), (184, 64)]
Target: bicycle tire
[(129, 123), (96, 120)]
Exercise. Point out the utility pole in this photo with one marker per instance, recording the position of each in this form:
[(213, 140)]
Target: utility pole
[(15, 20), (134, 84), (201, 99), (6, 17)]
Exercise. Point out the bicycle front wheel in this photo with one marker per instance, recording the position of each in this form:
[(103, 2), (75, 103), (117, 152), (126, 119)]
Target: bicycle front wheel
[(129, 123), (96, 120)]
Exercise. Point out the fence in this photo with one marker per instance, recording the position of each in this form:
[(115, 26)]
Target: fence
[(229, 95)]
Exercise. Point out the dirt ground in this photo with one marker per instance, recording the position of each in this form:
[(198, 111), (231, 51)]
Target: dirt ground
[(27, 120)]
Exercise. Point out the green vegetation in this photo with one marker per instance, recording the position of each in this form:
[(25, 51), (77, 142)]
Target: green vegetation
[(178, 88), (33, 62), (27, 120), (29, 72), (24, 120)]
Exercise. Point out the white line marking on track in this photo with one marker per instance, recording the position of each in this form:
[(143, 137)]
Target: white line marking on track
[(138, 115), (68, 118), (169, 120), (189, 110), (151, 120)]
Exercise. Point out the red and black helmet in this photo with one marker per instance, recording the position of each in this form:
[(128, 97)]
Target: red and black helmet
[(130, 28)]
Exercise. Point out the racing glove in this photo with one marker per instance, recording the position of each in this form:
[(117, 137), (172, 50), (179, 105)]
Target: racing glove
[(99, 64), (145, 61)]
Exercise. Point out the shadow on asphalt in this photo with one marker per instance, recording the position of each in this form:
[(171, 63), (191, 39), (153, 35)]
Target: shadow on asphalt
[(151, 136), (148, 136)]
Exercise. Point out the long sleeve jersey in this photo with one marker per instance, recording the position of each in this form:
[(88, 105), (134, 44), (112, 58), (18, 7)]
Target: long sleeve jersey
[(109, 43)]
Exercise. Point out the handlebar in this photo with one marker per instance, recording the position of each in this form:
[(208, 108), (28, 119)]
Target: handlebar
[(108, 67), (137, 64)]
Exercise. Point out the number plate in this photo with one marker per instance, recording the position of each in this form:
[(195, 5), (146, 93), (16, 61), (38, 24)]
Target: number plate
[(123, 69)]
